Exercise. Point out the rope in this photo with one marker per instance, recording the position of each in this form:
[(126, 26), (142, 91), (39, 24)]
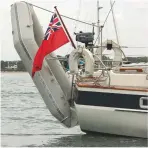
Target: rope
[(61, 14), (72, 87)]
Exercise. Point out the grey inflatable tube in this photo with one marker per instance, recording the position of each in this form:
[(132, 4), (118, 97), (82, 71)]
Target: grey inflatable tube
[(51, 81)]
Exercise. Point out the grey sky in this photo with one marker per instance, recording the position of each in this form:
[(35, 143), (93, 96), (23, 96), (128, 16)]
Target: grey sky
[(131, 18)]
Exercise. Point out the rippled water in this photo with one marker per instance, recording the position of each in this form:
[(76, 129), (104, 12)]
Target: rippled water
[(25, 120)]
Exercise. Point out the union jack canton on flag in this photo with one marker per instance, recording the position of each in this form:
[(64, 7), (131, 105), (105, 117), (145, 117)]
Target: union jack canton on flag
[(54, 25)]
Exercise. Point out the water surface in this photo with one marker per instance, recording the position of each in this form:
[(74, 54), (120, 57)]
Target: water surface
[(25, 120)]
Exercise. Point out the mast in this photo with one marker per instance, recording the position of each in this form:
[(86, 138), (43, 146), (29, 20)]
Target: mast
[(98, 21), (101, 30), (99, 27)]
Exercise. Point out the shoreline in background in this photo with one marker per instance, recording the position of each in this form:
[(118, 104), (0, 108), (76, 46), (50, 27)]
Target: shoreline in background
[(18, 66), (132, 65), (14, 72)]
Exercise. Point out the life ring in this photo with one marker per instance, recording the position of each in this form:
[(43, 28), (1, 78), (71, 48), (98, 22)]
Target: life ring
[(117, 52), (88, 57)]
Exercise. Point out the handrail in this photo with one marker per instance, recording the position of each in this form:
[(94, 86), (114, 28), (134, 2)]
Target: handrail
[(138, 69), (104, 67)]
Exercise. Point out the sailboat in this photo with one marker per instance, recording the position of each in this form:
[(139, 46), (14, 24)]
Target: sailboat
[(100, 99)]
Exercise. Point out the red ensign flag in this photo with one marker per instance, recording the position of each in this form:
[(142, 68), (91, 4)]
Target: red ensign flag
[(54, 38)]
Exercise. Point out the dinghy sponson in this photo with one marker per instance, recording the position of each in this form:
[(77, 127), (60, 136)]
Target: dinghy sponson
[(51, 81)]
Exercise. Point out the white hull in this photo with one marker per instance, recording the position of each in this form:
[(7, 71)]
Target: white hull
[(112, 121), (119, 112)]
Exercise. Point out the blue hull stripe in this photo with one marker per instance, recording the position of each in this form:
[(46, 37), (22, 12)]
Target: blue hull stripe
[(127, 101)]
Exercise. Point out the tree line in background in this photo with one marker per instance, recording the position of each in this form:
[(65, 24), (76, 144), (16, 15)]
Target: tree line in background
[(9, 66), (138, 59), (19, 66)]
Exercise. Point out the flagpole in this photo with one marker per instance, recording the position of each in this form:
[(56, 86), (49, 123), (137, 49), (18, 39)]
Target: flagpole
[(65, 28)]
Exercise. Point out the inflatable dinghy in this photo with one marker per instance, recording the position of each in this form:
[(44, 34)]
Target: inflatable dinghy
[(52, 82)]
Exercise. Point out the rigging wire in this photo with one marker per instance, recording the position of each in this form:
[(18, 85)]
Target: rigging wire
[(116, 32), (76, 22), (108, 13), (91, 24), (78, 15), (105, 19), (114, 21), (126, 47), (133, 47), (61, 15)]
